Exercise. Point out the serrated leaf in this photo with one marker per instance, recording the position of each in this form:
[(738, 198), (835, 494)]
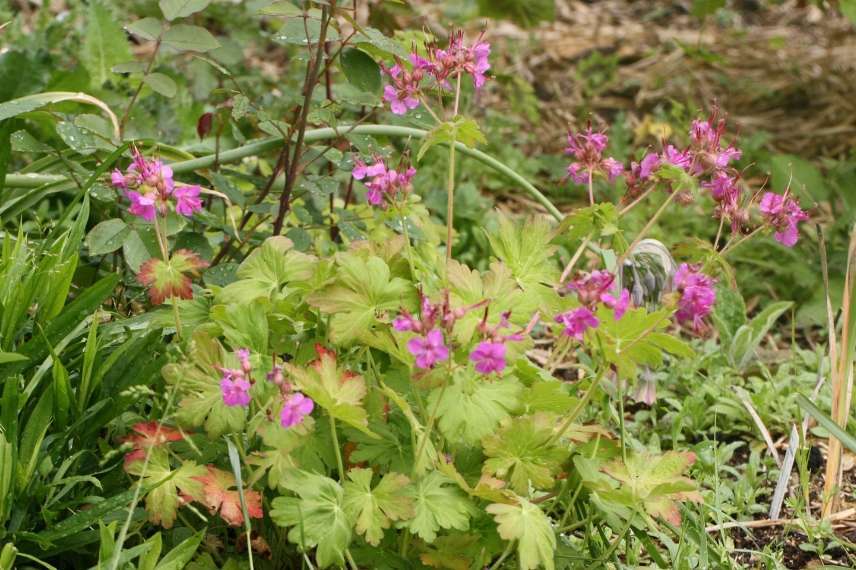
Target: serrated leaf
[(439, 504), (472, 407), (531, 528), (363, 288), (107, 237), (161, 83), (146, 28), (522, 452), (653, 481), (374, 509), (104, 43), (339, 392), (267, 271), (183, 37), (163, 501), (460, 129), (317, 517), (173, 9)]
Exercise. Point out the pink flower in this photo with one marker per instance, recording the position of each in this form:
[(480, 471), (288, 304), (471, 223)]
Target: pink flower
[(142, 205), (648, 165), (429, 349), (698, 295), (587, 148), (722, 187), (590, 287), (784, 214), (577, 322), (187, 200), (235, 389), (243, 355), (403, 93), (294, 409), (382, 182), (480, 53), (405, 322), (681, 159), (617, 304), (444, 64), (489, 357)]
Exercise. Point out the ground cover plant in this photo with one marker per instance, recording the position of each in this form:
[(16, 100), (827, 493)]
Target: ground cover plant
[(282, 288)]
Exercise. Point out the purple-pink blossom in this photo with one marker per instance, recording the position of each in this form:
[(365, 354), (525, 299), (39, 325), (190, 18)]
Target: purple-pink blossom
[(698, 295), (784, 214), (403, 93), (429, 349), (235, 389), (590, 287), (187, 200), (577, 322), (617, 304), (457, 58), (294, 409), (382, 183), (489, 356), (587, 148)]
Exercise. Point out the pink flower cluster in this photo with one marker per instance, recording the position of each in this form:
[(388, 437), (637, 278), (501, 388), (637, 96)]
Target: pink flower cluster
[(150, 188), (489, 354), (430, 347), (698, 295), (784, 214), (405, 86), (383, 183), (235, 385), (591, 289), (587, 148)]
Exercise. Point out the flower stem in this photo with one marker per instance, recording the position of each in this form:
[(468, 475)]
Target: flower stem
[(645, 230), (450, 183), (577, 410), (590, 187), (339, 463)]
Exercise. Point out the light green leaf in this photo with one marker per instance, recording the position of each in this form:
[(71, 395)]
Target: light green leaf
[(281, 8), (439, 504), (799, 174), (460, 129), (373, 509), (363, 289), (173, 9), (178, 557), (339, 392), (104, 43), (146, 28), (267, 271), (317, 517), (161, 83), (531, 528), (107, 237), (472, 407), (189, 38), (29, 103), (749, 336), (521, 452), (11, 357)]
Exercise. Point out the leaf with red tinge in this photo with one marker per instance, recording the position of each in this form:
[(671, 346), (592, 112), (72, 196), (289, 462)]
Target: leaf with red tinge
[(218, 494), (148, 434), (169, 279), (655, 482)]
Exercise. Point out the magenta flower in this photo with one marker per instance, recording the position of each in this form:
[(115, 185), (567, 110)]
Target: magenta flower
[(648, 165), (681, 159), (403, 94), (698, 295), (187, 200), (707, 145), (235, 389), (784, 214), (590, 287), (489, 357), (142, 205), (577, 322), (405, 322), (429, 349), (382, 182), (444, 64), (587, 148), (617, 304), (243, 355), (294, 409)]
